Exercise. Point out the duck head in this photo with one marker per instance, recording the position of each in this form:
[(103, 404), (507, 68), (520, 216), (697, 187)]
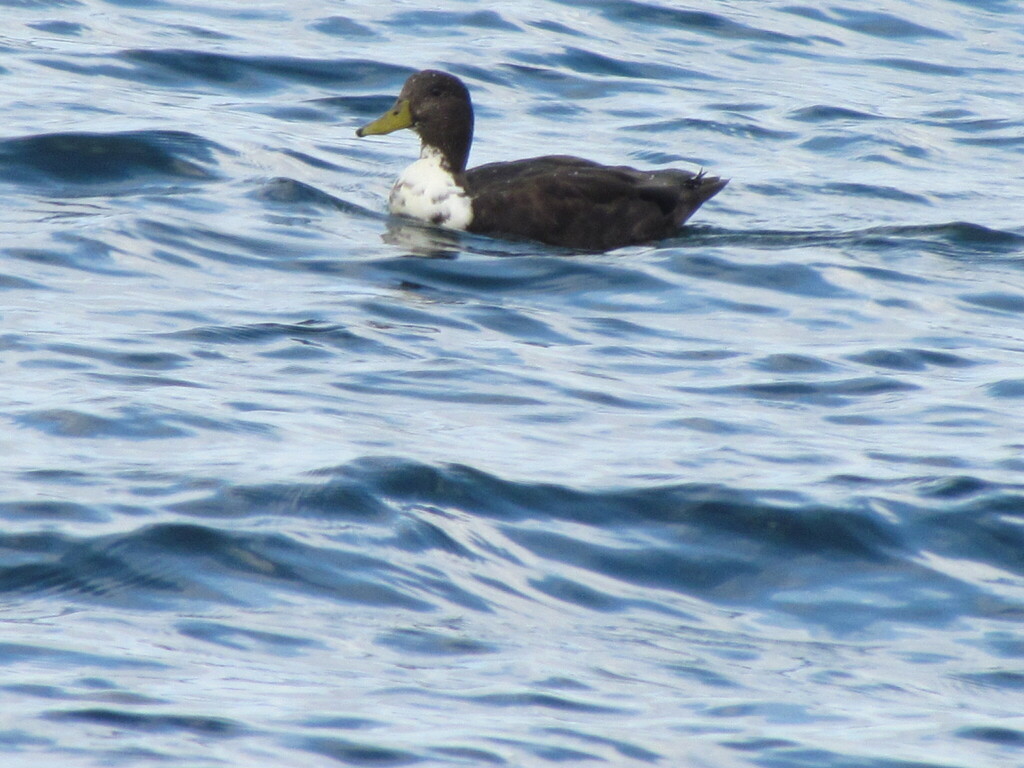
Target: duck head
[(437, 107)]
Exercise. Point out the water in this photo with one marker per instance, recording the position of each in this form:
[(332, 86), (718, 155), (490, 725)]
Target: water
[(288, 483)]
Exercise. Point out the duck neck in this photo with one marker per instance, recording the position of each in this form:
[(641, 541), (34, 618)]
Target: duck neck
[(450, 139), (437, 159), (451, 159)]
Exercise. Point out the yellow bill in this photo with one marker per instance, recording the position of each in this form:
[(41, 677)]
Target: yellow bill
[(395, 119)]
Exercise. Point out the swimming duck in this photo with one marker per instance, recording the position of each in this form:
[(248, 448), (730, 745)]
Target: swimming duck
[(556, 199)]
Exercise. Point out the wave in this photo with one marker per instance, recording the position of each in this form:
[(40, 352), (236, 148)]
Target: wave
[(417, 537), (89, 159), (180, 68), (955, 238)]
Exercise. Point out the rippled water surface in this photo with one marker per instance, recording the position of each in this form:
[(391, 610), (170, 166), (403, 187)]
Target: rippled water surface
[(286, 482)]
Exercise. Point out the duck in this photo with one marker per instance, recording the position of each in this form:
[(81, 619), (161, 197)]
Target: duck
[(558, 200)]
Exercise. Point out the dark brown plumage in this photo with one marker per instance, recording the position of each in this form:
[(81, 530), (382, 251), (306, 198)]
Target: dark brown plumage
[(557, 199)]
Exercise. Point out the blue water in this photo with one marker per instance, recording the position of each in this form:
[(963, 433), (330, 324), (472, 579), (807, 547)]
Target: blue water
[(286, 482)]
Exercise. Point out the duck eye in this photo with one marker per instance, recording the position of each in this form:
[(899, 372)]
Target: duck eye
[(436, 91)]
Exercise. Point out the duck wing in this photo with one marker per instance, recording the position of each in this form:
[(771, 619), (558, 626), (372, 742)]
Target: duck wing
[(578, 203)]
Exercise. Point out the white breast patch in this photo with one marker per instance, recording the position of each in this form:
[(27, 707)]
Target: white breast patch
[(428, 192)]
